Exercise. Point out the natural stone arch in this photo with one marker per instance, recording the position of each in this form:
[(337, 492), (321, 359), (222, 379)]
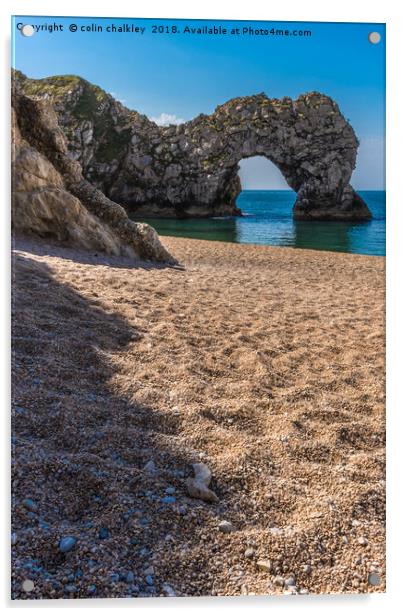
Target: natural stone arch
[(309, 141), (192, 169)]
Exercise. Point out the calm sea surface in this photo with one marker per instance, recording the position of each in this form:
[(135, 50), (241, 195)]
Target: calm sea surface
[(268, 220)]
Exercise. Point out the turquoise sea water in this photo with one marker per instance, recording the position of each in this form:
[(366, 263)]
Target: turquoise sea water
[(268, 220)]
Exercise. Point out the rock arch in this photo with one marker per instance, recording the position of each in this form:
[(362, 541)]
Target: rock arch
[(192, 169)]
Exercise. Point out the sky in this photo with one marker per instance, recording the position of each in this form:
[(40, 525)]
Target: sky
[(173, 76)]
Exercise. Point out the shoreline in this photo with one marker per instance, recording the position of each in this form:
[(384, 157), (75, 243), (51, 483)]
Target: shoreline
[(267, 220), (53, 248)]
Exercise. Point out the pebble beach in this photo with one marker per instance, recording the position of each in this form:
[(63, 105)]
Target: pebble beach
[(262, 366)]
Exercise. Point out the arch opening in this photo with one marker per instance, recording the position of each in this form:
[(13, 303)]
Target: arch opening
[(260, 173)]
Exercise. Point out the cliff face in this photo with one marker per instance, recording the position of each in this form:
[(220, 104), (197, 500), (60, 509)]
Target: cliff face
[(192, 169), (52, 199)]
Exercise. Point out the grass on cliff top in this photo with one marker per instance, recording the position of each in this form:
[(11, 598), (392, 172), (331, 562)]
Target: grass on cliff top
[(61, 85), (86, 106)]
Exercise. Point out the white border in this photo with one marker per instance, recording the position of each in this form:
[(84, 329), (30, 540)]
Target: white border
[(293, 10)]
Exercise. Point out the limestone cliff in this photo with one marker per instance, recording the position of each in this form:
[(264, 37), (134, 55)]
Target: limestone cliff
[(51, 198), (192, 169)]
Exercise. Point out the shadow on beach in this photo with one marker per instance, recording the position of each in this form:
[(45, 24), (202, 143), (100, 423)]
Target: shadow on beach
[(85, 257), (79, 449)]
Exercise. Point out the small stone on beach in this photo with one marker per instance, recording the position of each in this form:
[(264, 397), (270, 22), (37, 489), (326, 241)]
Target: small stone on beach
[(67, 543), (197, 486), (149, 570), (168, 590), (290, 581), (225, 526), (150, 468), (103, 533), (70, 589), (30, 505), (264, 565)]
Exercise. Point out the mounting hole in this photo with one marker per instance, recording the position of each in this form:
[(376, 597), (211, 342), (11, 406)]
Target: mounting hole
[(28, 585), (27, 30), (374, 37), (374, 579)]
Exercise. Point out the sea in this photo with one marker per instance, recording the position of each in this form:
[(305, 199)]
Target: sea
[(267, 220)]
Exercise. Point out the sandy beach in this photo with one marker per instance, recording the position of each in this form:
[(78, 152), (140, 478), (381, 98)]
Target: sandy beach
[(266, 364)]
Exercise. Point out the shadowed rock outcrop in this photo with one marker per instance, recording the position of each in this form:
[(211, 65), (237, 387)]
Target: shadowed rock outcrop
[(192, 169), (52, 199)]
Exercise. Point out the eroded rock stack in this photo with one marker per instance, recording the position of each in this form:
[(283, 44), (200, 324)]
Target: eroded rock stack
[(192, 169)]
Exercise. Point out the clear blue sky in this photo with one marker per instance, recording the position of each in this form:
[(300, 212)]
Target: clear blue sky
[(183, 75)]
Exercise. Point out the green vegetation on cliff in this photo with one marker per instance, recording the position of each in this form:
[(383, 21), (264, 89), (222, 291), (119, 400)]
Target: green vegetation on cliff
[(77, 101), (112, 143), (81, 97)]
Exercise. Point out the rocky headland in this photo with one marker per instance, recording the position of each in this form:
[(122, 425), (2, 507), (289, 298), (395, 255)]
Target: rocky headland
[(52, 199), (191, 170)]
